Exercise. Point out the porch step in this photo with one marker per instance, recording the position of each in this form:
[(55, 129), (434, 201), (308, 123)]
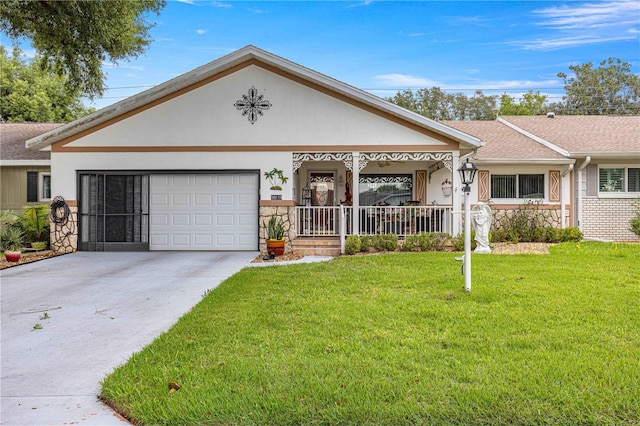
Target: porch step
[(316, 246)]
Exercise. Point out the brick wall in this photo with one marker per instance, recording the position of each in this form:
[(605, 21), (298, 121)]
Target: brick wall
[(608, 219)]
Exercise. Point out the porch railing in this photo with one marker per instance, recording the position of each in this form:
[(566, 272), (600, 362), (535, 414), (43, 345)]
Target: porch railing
[(400, 220)]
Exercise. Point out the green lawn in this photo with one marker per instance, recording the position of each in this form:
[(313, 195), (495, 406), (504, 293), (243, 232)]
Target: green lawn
[(394, 340)]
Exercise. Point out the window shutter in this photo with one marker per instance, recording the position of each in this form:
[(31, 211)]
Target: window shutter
[(554, 185), (421, 186), (32, 187), (483, 185), (592, 180)]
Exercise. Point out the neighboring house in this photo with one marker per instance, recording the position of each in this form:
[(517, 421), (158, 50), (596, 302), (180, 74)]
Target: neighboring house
[(585, 169), (25, 176), (181, 166)]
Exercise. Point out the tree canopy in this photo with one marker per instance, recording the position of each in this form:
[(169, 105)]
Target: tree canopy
[(438, 105), (530, 104), (610, 89), (75, 37), (30, 94)]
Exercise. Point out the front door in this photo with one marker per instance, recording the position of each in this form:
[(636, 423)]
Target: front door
[(323, 197)]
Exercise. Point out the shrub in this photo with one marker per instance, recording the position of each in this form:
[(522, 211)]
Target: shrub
[(570, 234), (352, 244), (634, 223), (458, 241), (365, 242), (385, 242)]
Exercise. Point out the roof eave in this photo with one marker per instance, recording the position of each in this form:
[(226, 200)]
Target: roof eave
[(24, 163), (523, 161), (245, 54), (624, 155)]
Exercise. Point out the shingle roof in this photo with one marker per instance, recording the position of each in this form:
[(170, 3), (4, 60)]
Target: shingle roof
[(590, 134), (504, 143), (13, 137)]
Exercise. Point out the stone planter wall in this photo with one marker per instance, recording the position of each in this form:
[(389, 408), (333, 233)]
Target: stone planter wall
[(287, 214), (64, 238)]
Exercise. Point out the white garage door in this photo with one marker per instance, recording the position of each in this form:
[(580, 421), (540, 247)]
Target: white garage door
[(203, 212)]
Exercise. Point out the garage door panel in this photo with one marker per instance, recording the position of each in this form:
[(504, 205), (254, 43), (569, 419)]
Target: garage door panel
[(205, 212)]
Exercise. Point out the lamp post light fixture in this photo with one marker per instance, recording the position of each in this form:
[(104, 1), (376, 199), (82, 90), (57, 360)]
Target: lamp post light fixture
[(467, 174)]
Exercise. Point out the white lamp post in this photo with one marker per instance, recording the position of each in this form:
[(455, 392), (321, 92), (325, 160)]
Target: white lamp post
[(467, 174)]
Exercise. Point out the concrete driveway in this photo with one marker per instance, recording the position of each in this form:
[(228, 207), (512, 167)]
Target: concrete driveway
[(101, 308)]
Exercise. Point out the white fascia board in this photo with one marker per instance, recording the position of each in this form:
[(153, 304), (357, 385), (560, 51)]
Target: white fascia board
[(226, 62), (524, 161), (25, 163), (538, 139), (623, 155)]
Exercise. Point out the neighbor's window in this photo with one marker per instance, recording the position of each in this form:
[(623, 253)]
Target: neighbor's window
[(517, 186), (611, 180), (45, 186), (633, 181), (385, 190), (619, 179)]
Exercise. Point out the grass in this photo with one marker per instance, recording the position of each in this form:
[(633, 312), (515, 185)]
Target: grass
[(394, 340)]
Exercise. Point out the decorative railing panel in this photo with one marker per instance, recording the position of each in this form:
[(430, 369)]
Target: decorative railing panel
[(374, 220)]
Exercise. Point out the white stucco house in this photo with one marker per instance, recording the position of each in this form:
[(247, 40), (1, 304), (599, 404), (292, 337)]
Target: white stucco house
[(181, 166)]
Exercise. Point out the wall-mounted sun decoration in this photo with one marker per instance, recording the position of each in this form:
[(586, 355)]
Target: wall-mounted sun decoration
[(252, 105)]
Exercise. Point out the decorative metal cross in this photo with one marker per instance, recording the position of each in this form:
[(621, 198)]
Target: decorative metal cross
[(252, 105)]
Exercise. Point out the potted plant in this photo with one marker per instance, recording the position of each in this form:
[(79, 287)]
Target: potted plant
[(274, 230), (11, 241), (276, 178), (34, 221)]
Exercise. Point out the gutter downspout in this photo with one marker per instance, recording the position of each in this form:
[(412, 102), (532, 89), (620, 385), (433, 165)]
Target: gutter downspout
[(580, 169), (563, 211)]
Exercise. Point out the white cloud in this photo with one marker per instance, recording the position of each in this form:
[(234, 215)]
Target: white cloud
[(581, 24), (403, 80)]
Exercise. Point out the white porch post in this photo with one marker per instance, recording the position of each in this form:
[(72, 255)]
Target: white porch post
[(355, 200), (456, 199)]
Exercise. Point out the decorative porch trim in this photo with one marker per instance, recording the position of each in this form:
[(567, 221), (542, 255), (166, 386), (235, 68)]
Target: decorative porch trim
[(445, 157), (299, 158)]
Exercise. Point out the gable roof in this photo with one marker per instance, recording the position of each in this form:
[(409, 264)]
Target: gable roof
[(228, 64), (12, 143), (582, 135), (503, 144)]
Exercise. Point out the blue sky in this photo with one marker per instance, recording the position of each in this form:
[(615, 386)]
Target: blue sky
[(386, 46)]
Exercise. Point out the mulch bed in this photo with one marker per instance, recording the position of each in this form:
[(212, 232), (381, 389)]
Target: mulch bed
[(27, 257)]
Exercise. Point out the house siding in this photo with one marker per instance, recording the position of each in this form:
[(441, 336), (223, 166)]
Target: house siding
[(13, 184), (608, 219)]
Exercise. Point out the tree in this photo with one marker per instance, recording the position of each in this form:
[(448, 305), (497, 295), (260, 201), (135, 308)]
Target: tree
[(610, 89), (74, 37), (438, 105), (531, 104), (30, 94)]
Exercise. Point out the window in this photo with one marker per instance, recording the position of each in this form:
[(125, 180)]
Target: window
[(619, 179), (32, 187), (385, 190), (517, 186), (633, 180), (45, 186)]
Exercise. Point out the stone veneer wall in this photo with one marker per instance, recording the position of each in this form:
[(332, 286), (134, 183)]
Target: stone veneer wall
[(549, 217), (64, 238), (608, 219), (287, 214)]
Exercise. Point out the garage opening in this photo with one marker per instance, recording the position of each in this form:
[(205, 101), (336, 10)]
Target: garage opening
[(113, 212), (169, 211)]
